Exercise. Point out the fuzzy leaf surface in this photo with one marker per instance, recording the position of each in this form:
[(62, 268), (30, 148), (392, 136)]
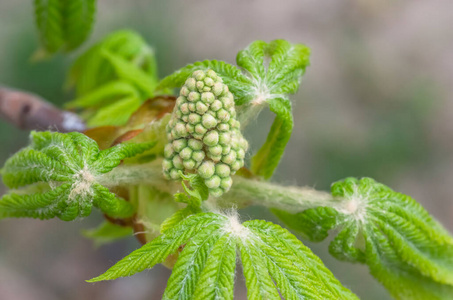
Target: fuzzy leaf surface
[(71, 163), (206, 245), (63, 25), (404, 247)]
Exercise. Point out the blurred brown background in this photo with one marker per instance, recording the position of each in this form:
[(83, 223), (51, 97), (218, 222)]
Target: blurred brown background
[(376, 101)]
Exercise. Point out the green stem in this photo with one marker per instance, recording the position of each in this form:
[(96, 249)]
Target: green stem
[(244, 192)]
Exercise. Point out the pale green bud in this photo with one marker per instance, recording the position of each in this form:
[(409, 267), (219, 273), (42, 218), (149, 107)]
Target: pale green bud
[(200, 129), (223, 127), (185, 108), (195, 144), (193, 96), (189, 164), (213, 182), (186, 153), (216, 105), (168, 151), (184, 91), (206, 169), (190, 128), (208, 81), (223, 115), (208, 121), (224, 138), (167, 164), (194, 118), (222, 170), (217, 89), (174, 174), (201, 107), (180, 144), (226, 183), (177, 162), (191, 83), (211, 138), (200, 85), (207, 97), (199, 75), (215, 150), (198, 155), (216, 192)]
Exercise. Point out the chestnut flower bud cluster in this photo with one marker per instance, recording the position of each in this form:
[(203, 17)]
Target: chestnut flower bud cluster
[(203, 133)]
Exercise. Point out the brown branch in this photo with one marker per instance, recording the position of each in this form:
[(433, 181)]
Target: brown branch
[(31, 112)]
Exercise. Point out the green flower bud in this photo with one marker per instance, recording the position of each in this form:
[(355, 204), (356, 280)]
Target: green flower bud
[(207, 169), (199, 75), (216, 192), (216, 105), (211, 138), (168, 151), (186, 153), (224, 138), (217, 89), (189, 164), (200, 86), (208, 81), (203, 133), (193, 96), (198, 155), (194, 118), (208, 121), (200, 129), (195, 144), (191, 83), (207, 97), (184, 91), (185, 108), (180, 144), (226, 183), (215, 150), (223, 170), (213, 182), (167, 164), (190, 128), (174, 174), (201, 107), (223, 115), (223, 127), (177, 162)]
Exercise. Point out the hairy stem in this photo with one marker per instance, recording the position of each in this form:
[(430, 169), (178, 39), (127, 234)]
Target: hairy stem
[(244, 192)]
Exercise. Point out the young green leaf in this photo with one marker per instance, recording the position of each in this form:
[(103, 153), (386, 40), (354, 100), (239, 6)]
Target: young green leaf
[(72, 163), (206, 264), (217, 278), (199, 189), (405, 248), (160, 248), (113, 78), (63, 25)]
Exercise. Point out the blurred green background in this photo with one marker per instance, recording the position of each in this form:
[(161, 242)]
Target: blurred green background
[(376, 101)]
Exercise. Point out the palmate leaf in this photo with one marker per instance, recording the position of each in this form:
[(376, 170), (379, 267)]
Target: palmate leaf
[(207, 244), (404, 247), (113, 78), (71, 163), (63, 25), (270, 72)]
